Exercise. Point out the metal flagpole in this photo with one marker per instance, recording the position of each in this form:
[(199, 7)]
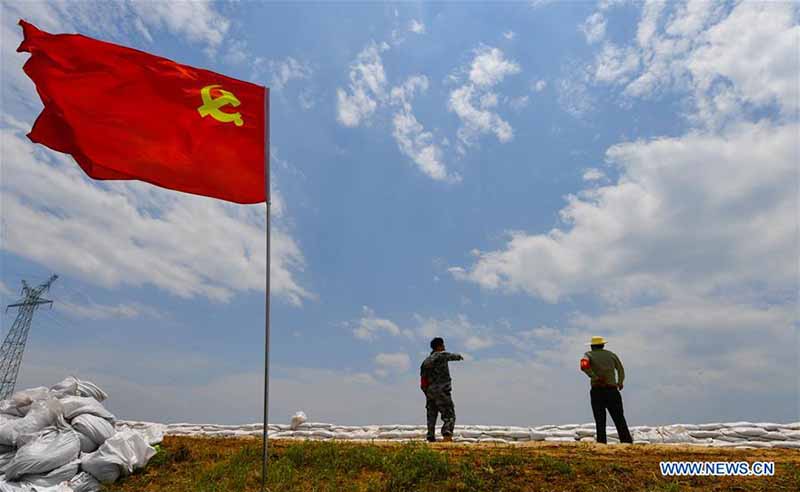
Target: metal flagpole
[(265, 437)]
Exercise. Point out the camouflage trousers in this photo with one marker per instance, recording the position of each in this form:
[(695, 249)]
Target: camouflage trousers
[(440, 400)]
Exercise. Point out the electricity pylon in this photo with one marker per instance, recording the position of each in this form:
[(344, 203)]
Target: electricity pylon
[(14, 343)]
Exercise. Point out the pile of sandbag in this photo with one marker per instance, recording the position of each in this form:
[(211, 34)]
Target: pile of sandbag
[(62, 439)]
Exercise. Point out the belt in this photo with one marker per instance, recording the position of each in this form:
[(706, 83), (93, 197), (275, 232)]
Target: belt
[(605, 386)]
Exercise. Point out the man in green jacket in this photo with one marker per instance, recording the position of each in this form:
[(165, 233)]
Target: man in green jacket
[(600, 365)]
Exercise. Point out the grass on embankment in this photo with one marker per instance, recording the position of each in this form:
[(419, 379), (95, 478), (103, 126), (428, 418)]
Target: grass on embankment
[(233, 465)]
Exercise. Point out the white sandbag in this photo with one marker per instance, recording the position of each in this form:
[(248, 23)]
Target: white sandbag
[(537, 435), (711, 426), (470, 434), (106, 469), (121, 454), (8, 408), (14, 487), (73, 386), (24, 399), (52, 449), (749, 431), (79, 405), (701, 434), (43, 413), (20, 402), (298, 419), (560, 433), (5, 459), (95, 428), (84, 482), (61, 474), (154, 433), (5, 418), (87, 445)]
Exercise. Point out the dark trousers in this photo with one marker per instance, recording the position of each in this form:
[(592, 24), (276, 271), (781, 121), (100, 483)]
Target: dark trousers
[(440, 401), (609, 399)]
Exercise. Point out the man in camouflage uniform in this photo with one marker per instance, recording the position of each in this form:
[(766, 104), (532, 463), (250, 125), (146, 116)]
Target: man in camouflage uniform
[(599, 364), (435, 382)]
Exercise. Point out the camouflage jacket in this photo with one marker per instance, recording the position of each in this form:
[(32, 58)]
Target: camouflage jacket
[(434, 371)]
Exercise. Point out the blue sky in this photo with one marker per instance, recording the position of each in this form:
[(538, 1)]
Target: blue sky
[(515, 177)]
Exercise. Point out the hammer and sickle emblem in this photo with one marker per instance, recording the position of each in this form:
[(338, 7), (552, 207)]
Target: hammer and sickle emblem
[(211, 106)]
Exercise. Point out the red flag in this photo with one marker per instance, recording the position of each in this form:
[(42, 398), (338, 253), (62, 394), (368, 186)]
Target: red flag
[(125, 114)]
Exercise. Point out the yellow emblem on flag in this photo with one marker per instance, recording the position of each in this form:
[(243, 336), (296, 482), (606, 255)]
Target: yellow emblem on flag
[(211, 106)]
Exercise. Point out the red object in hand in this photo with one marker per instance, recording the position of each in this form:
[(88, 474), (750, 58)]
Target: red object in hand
[(423, 383), (126, 114), (584, 363)]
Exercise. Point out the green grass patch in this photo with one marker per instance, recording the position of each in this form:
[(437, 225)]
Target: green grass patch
[(552, 466), (234, 465)]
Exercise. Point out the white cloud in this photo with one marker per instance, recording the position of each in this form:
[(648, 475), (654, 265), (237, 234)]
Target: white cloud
[(488, 100), (410, 135), (490, 67), (651, 12), (103, 311), (404, 93), (573, 92), (614, 64), (396, 362), (726, 59), (594, 28), (353, 108), (237, 52), (367, 86), (509, 35), (197, 21), (416, 26), (370, 326), (368, 92), (475, 120), (284, 71), (142, 29), (755, 48), (457, 332), (539, 86), (593, 174), (631, 236), (419, 146), (131, 233), (473, 101)]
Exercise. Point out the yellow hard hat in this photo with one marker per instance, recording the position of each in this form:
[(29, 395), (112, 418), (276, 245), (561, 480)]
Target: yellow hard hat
[(598, 341)]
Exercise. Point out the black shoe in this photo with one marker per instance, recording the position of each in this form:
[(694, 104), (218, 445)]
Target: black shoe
[(430, 439)]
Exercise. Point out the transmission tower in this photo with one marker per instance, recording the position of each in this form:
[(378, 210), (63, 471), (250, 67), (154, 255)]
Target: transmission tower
[(14, 343)]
